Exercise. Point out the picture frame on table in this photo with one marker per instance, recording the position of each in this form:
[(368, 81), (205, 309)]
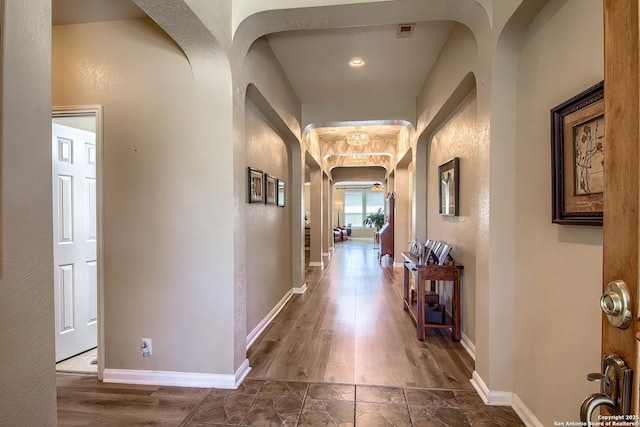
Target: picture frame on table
[(255, 185), (578, 148), (449, 188)]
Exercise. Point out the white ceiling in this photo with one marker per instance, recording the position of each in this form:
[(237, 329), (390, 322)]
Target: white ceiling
[(82, 11), (316, 61)]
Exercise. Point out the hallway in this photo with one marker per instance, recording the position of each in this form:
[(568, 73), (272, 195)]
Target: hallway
[(344, 353), (350, 327)]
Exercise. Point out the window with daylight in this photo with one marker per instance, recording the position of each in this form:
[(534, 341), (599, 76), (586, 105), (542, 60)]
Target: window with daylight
[(353, 208), (360, 202), (374, 201)]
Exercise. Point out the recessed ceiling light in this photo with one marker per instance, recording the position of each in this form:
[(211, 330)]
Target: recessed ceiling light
[(356, 62)]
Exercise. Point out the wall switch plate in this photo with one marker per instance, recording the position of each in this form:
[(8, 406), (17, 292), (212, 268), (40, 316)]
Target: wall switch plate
[(146, 347)]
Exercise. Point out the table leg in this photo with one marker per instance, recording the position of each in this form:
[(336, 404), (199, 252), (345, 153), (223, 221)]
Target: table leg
[(406, 288), (420, 308), (455, 331)]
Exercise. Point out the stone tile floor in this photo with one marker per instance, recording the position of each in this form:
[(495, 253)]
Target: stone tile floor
[(280, 403)]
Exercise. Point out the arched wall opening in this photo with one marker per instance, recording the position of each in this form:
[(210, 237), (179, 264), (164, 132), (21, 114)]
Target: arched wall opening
[(452, 133)]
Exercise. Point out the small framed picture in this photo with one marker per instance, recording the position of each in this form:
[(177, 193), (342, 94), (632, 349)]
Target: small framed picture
[(449, 187), (270, 186), (255, 185), (281, 193)]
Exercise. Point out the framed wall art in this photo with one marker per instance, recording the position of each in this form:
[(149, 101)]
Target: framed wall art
[(281, 193), (449, 175), (255, 185), (578, 148), (270, 189)]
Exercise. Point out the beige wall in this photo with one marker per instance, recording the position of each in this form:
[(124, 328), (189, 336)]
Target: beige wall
[(457, 138), (167, 210), (559, 267), (27, 372), (268, 226)]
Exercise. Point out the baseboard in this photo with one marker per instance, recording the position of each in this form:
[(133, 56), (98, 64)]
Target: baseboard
[(327, 254), (316, 264), (524, 413), (299, 291), (255, 333), (468, 345), (491, 398), (178, 379)]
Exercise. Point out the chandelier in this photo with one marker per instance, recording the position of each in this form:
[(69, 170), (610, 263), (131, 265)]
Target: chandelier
[(376, 187), (357, 138)]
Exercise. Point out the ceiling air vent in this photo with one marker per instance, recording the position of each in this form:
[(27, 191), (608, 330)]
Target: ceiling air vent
[(405, 31)]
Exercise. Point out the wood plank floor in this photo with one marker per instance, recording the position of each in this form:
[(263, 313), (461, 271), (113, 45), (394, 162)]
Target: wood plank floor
[(343, 354), (350, 327)]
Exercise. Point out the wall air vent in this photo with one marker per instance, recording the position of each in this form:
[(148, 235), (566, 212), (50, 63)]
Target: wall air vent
[(405, 31)]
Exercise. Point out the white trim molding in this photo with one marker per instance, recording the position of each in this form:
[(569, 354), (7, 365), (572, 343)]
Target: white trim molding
[(524, 412), (301, 290), (491, 398), (253, 335), (468, 345), (316, 264), (178, 379)]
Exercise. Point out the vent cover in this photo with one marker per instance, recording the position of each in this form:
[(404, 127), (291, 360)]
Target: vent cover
[(405, 31)]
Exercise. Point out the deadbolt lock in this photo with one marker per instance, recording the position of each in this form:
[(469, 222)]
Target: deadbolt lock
[(616, 304)]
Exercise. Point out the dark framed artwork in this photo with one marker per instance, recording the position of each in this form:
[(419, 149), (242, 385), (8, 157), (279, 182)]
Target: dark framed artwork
[(281, 193), (270, 189), (449, 174), (577, 160), (255, 185)]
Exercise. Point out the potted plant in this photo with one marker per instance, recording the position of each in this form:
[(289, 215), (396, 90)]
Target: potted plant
[(375, 219)]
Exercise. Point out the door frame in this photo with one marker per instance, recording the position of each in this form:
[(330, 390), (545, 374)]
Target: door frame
[(621, 247), (97, 112)]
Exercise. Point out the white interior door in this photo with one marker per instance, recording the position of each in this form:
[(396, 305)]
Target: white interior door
[(75, 236)]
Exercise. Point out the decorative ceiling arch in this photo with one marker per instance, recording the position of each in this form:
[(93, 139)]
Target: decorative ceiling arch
[(380, 149)]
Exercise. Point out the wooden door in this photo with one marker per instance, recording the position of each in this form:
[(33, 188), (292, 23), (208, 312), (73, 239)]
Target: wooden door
[(75, 236), (621, 214)]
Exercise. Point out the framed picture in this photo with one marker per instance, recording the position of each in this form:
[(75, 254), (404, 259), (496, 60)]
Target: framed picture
[(449, 187), (255, 185), (281, 193), (578, 149), (270, 187)]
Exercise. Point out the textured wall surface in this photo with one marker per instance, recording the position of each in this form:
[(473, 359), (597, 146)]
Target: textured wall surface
[(559, 267), (268, 226), (457, 138), (27, 372), (167, 261)]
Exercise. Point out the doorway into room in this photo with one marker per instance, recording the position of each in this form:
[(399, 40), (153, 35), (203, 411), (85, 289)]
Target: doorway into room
[(76, 195)]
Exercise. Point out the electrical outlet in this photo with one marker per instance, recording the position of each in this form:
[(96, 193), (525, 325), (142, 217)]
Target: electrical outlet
[(146, 347)]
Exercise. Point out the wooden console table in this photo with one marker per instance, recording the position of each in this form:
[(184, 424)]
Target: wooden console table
[(431, 273)]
